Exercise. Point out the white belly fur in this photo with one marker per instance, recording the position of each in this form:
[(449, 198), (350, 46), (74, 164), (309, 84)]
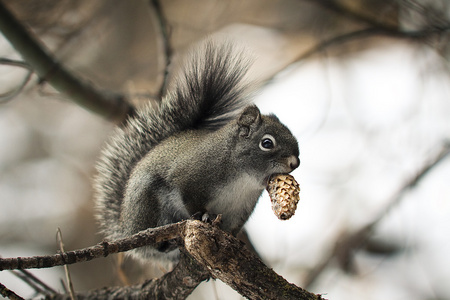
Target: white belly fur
[(236, 200)]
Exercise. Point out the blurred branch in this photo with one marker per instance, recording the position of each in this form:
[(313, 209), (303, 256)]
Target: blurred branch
[(339, 40), (433, 18), (165, 40), (432, 15), (347, 12), (205, 251), (370, 32), (111, 106), (375, 28), (347, 243), (5, 97), (35, 283), (7, 293), (15, 63)]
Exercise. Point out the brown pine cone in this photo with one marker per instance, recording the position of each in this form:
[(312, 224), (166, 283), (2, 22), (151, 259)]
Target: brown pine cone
[(284, 192)]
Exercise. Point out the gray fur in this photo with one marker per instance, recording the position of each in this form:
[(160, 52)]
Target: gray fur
[(197, 152)]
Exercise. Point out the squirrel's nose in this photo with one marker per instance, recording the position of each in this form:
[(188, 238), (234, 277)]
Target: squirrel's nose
[(293, 162)]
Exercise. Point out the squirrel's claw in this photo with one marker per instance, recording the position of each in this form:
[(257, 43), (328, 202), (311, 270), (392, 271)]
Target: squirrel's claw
[(209, 218)]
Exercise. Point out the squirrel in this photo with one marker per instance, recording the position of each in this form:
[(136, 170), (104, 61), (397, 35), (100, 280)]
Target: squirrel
[(203, 150)]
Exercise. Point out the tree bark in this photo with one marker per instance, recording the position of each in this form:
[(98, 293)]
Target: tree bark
[(206, 251), (175, 285)]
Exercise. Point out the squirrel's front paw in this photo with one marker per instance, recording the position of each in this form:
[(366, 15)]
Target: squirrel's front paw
[(207, 217)]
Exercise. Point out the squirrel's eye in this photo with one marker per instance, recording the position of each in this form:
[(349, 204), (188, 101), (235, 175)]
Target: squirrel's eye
[(267, 142)]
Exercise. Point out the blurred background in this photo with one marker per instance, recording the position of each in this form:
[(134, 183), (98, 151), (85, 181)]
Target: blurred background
[(364, 85)]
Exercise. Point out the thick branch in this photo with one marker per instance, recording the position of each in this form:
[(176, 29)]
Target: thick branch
[(175, 285), (111, 106), (228, 260), (209, 251)]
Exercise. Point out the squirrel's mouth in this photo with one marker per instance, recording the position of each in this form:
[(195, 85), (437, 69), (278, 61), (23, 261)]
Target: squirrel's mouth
[(267, 178), (285, 166)]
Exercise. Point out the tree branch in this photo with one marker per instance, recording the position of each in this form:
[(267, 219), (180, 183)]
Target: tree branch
[(165, 40), (5, 292), (339, 8), (111, 106), (5, 97), (176, 285), (349, 242), (370, 32), (15, 63), (35, 283), (228, 260), (205, 251), (146, 237)]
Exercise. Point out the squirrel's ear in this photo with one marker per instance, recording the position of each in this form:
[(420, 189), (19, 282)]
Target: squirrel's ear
[(249, 120)]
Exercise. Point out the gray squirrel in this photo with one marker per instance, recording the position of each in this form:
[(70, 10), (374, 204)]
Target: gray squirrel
[(203, 150)]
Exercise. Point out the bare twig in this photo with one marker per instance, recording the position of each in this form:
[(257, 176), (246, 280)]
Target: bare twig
[(15, 63), (353, 241), (5, 97), (47, 288), (103, 249), (165, 41), (120, 269), (186, 276), (111, 106), (63, 284), (28, 281), (59, 239)]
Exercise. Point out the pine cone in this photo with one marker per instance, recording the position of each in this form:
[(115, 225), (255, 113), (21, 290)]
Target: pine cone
[(284, 192)]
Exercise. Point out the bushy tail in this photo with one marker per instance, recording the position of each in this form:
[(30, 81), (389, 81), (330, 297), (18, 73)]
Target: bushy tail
[(207, 94)]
